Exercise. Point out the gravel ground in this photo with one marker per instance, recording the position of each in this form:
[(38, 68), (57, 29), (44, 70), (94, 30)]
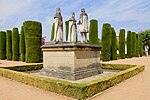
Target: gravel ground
[(135, 88)]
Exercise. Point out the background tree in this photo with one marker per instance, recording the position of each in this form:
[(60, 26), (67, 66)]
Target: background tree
[(2, 45), (129, 44), (137, 45), (15, 44), (22, 45), (106, 42), (33, 35), (93, 32), (9, 44), (122, 43), (140, 45), (67, 29), (146, 39), (113, 45), (133, 44), (52, 32)]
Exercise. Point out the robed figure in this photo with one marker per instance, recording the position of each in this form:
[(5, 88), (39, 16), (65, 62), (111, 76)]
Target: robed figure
[(83, 25), (72, 34), (58, 22)]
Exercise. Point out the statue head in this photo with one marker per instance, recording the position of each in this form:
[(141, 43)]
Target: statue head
[(73, 14), (58, 10), (82, 10)]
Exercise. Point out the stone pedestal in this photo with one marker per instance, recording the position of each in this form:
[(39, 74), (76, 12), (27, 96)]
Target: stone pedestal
[(71, 61)]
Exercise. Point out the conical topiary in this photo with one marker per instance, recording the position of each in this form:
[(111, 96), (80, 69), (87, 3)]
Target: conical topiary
[(15, 44), (93, 32), (106, 42), (129, 44), (33, 35), (2, 45), (52, 32), (22, 45), (9, 44), (122, 43), (113, 44), (67, 29)]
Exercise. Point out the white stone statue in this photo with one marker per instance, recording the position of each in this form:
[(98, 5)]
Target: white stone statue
[(72, 34), (58, 22), (83, 25)]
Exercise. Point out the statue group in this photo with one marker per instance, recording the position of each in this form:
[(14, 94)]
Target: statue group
[(72, 33)]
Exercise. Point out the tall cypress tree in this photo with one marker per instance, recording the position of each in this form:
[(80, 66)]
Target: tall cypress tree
[(93, 32), (106, 42), (52, 32), (141, 45), (33, 35), (15, 44), (129, 44), (2, 45), (9, 44), (137, 45), (133, 44), (67, 29), (22, 45), (122, 43), (113, 45)]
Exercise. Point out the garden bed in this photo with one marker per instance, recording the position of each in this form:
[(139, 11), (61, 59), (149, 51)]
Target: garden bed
[(74, 90)]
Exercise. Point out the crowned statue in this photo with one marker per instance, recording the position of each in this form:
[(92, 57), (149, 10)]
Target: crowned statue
[(83, 25), (58, 22), (72, 34)]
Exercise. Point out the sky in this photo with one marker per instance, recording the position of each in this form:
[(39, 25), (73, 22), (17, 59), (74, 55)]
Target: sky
[(131, 15)]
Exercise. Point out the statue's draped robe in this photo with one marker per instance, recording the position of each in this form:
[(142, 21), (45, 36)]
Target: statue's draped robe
[(58, 31), (72, 35), (83, 23)]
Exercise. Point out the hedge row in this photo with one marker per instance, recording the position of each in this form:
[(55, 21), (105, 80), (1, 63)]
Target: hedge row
[(23, 68), (75, 90)]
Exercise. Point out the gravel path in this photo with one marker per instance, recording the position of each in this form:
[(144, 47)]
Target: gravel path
[(135, 88)]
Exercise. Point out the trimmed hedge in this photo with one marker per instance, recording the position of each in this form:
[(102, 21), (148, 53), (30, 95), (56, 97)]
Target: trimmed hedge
[(106, 42), (22, 45), (2, 45), (137, 45), (52, 32), (122, 43), (133, 44), (140, 45), (67, 29), (9, 44), (93, 32), (15, 44), (117, 66), (113, 45), (24, 68), (33, 34), (129, 44), (75, 90)]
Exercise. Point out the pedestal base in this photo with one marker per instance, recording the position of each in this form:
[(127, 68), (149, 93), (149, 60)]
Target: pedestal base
[(71, 61)]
